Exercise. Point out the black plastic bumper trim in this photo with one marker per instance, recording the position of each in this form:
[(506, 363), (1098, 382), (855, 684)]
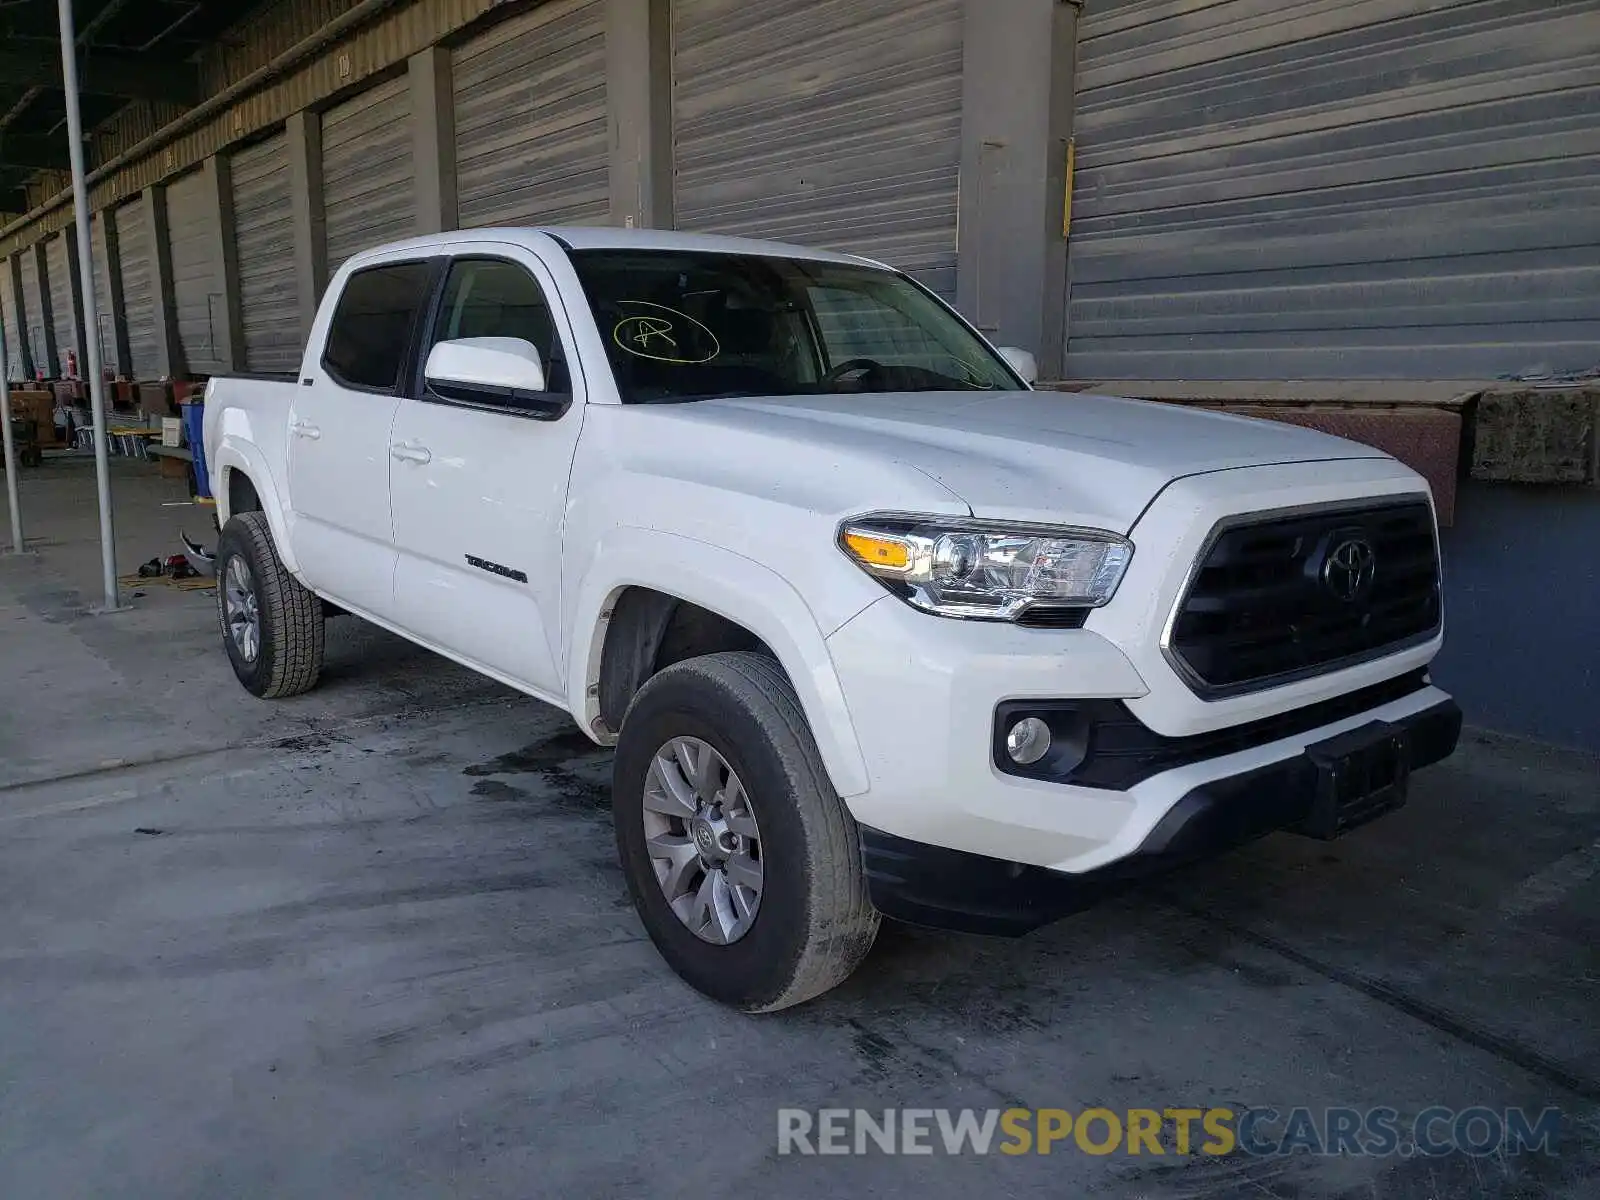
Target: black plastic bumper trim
[(1101, 744), (972, 893)]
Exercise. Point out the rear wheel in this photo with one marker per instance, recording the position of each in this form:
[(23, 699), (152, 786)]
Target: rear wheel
[(271, 625), (743, 863)]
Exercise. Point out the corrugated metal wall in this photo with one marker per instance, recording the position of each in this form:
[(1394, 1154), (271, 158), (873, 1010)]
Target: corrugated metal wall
[(264, 237), (1336, 189), (201, 308), (33, 317), (133, 253), (532, 145), (833, 122), (367, 183), (105, 319), (13, 321), (62, 266)]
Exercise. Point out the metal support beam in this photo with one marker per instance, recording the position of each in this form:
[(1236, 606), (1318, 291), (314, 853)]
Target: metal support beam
[(34, 153), (1016, 125), (639, 94), (97, 383), (227, 319), (163, 304), (304, 132), (433, 120), (127, 76), (113, 324)]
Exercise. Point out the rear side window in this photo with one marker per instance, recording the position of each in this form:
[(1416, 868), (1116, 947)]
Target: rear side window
[(373, 324)]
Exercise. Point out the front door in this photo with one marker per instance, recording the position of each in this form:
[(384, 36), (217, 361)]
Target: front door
[(339, 427), (479, 491)]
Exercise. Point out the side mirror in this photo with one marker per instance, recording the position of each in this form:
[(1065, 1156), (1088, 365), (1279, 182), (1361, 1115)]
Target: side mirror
[(1022, 362), (495, 372)]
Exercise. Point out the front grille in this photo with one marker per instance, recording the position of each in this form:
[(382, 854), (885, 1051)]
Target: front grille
[(1266, 606)]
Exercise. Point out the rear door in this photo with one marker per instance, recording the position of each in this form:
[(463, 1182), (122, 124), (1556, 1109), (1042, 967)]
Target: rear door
[(339, 434), (479, 491)]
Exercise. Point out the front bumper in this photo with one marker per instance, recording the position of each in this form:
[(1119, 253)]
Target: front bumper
[(922, 695), (974, 893)]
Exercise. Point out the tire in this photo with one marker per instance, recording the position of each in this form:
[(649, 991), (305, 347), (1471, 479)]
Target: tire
[(288, 649), (814, 922)]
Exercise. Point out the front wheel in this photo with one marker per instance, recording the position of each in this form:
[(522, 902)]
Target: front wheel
[(743, 863), (271, 625)]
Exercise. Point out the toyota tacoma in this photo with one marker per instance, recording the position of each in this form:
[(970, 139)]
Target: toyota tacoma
[(877, 629)]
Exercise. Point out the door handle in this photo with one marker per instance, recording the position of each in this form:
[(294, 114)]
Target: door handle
[(410, 452), (303, 429)]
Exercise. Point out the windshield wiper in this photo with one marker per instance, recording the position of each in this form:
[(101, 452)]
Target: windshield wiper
[(693, 397)]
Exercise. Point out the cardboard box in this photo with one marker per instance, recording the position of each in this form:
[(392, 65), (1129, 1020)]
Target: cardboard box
[(155, 400), (40, 408)]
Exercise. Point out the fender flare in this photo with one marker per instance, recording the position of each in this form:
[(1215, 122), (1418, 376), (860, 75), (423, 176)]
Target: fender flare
[(732, 586), (236, 454)]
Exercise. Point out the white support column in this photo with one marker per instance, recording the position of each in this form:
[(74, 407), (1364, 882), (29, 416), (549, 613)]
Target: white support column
[(91, 351), (9, 442)]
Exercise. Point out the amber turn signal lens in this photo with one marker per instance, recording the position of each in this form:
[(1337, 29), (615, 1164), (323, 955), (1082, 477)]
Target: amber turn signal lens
[(875, 551)]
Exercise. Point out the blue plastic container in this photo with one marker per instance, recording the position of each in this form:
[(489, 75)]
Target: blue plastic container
[(194, 416)]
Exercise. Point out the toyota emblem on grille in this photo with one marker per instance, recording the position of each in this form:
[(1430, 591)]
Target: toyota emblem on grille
[(1348, 570)]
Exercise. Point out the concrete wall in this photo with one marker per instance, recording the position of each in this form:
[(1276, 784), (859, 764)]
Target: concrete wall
[(1522, 611)]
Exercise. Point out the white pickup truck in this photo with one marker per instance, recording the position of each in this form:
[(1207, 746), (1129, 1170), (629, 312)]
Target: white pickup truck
[(875, 627)]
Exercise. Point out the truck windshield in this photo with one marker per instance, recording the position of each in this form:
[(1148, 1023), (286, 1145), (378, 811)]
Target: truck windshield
[(690, 325)]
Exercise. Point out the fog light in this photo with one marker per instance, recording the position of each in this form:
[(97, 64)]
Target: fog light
[(1028, 741)]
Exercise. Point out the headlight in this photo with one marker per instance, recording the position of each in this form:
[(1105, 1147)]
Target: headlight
[(987, 569)]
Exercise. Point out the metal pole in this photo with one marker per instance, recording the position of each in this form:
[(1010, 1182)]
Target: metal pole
[(91, 349), (10, 449)]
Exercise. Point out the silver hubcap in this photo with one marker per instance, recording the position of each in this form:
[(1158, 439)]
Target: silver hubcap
[(240, 611), (703, 840)]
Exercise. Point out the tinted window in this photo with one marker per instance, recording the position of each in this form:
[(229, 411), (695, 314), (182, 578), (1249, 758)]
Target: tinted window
[(372, 326), (490, 298), (688, 325)]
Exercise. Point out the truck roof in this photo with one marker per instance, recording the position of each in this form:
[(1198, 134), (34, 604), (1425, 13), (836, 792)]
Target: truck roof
[(607, 237)]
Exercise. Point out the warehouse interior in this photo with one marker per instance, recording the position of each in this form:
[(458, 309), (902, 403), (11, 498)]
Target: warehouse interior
[(1381, 218)]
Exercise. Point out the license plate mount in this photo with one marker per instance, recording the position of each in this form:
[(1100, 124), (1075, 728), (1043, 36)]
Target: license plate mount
[(1361, 775)]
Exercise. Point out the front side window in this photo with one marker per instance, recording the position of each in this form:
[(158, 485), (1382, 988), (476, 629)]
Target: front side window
[(689, 325), (488, 297), (373, 323)]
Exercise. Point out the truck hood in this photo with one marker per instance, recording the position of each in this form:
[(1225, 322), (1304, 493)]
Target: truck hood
[(1060, 457)]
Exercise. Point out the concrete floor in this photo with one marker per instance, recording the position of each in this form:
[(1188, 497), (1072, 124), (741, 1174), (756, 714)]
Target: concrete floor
[(373, 942)]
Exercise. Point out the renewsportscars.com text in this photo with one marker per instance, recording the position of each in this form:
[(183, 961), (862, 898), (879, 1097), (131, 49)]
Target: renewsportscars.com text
[(1373, 1132)]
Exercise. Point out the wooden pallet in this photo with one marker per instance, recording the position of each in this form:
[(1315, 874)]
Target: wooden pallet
[(198, 584)]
